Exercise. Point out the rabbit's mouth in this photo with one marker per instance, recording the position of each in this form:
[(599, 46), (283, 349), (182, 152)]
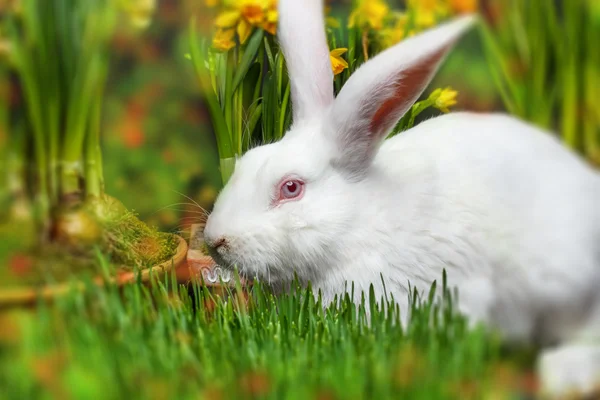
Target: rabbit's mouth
[(226, 261), (246, 271), (219, 259), (248, 266)]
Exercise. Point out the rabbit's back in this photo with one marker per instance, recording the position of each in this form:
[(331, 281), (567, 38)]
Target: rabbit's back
[(526, 209)]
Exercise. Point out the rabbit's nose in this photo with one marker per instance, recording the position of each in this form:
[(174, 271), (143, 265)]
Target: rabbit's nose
[(220, 242)]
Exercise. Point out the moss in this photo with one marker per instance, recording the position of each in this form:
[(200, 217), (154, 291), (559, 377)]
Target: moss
[(133, 243)]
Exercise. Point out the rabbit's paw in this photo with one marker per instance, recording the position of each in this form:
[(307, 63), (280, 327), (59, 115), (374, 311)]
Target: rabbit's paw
[(570, 371)]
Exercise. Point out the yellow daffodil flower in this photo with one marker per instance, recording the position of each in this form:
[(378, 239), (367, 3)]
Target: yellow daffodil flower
[(245, 15), (444, 99), (464, 6), (427, 12), (242, 16), (338, 64), (369, 14), (224, 39), (391, 35), (271, 18)]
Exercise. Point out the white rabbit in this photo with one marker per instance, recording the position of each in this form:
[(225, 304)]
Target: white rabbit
[(512, 216)]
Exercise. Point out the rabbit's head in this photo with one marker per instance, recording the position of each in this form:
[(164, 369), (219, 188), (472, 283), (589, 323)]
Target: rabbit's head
[(287, 203)]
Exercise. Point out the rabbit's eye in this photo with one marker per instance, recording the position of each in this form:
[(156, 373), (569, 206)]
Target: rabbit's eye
[(291, 189)]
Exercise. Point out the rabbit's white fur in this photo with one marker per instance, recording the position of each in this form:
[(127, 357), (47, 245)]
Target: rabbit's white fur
[(511, 214), (307, 56)]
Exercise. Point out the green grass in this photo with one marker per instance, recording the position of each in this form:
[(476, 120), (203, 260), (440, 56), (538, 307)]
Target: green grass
[(164, 341)]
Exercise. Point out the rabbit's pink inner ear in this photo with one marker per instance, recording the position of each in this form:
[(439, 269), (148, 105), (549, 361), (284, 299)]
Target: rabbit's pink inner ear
[(411, 84)]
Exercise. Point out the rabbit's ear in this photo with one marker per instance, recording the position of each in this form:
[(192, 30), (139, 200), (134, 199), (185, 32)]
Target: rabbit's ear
[(382, 90), (302, 38)]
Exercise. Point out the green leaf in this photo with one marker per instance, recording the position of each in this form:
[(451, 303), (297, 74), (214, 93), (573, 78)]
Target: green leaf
[(255, 115), (284, 109), (249, 55), (499, 69), (223, 138), (269, 56)]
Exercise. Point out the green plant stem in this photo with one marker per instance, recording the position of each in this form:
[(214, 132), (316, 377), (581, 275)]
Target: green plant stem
[(73, 167), (49, 71), (32, 98), (89, 74), (5, 153), (570, 101), (261, 63), (500, 73), (227, 166), (199, 54), (284, 108), (16, 170), (591, 82), (538, 102), (239, 110), (94, 177)]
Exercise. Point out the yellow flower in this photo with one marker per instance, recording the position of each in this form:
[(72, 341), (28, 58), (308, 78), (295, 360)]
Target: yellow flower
[(224, 39), (427, 12), (211, 3), (244, 15), (253, 12), (338, 64), (425, 19), (140, 12), (444, 99), (392, 35), (464, 6), (369, 14), (272, 16), (331, 22)]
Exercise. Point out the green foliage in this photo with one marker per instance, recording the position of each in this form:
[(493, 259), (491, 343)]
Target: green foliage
[(544, 60), (247, 93), (169, 341), (60, 58), (58, 52)]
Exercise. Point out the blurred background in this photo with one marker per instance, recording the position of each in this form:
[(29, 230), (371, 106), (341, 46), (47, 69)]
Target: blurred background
[(158, 146), (156, 136)]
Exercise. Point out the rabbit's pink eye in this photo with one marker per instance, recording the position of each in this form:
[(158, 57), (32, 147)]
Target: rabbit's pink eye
[(291, 189)]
